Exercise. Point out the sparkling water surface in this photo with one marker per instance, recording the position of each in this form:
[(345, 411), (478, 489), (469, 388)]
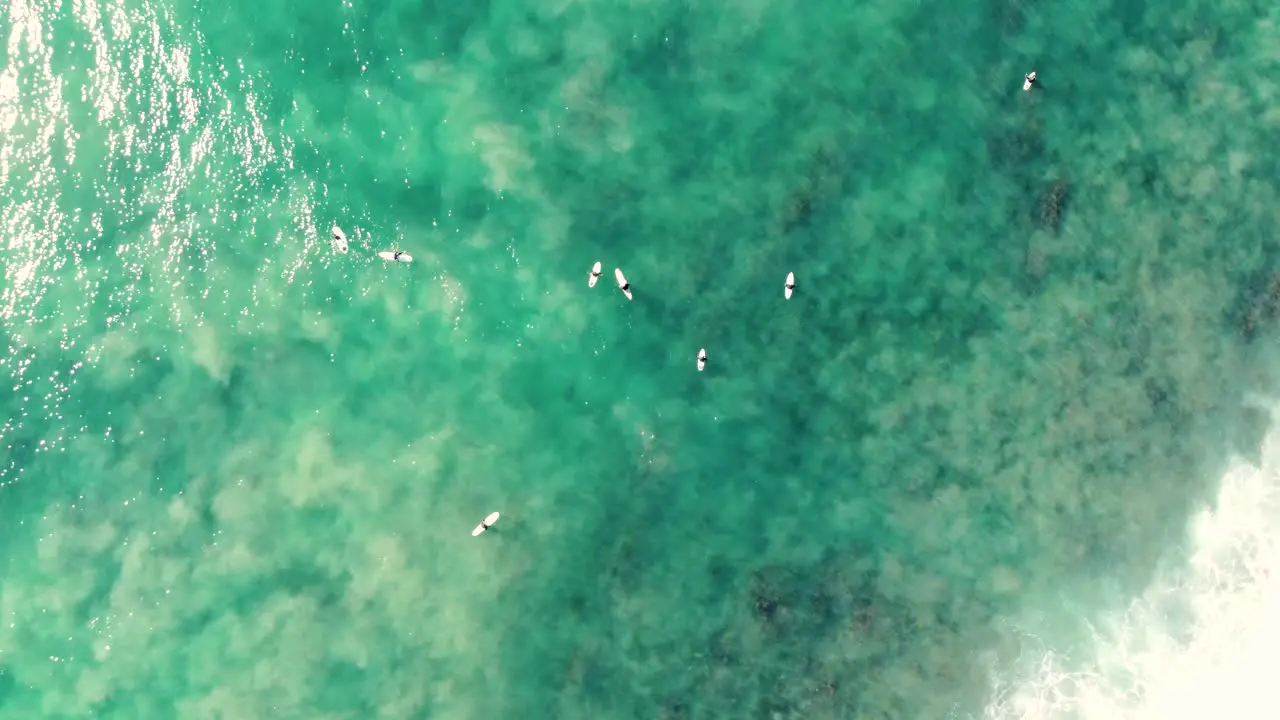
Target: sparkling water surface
[(238, 470)]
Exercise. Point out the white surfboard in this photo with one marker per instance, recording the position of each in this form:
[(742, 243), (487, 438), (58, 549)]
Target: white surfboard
[(339, 239), (1029, 80), (623, 285), (594, 276), (485, 524), (702, 359), (395, 256), (791, 285)]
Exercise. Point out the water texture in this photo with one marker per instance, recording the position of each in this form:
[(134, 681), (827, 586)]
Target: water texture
[(239, 470)]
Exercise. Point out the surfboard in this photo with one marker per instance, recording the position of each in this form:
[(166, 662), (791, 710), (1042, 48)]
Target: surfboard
[(702, 360), (485, 525), (1029, 80), (339, 239), (395, 256), (623, 285), (594, 276), (791, 285)]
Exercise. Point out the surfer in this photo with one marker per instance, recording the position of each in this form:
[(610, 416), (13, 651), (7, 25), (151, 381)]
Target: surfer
[(485, 524), (623, 285), (702, 359), (790, 286), (1029, 80), (595, 275)]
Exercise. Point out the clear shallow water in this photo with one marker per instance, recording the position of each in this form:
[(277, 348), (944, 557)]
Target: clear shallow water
[(240, 471)]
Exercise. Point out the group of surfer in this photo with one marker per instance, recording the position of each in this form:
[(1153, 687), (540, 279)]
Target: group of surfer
[(625, 287), (339, 241), (340, 244)]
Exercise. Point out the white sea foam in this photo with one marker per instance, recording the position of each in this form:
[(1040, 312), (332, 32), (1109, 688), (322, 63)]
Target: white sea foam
[(1200, 642)]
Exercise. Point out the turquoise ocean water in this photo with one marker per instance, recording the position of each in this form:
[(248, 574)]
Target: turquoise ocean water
[(238, 471)]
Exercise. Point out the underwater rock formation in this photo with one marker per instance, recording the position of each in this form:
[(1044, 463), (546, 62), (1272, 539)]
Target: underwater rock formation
[(1052, 204)]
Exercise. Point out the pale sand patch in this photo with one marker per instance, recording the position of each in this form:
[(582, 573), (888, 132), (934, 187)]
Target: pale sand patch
[(207, 352), (505, 159)]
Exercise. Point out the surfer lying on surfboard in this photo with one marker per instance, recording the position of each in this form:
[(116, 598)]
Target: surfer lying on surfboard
[(395, 256), (623, 285)]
